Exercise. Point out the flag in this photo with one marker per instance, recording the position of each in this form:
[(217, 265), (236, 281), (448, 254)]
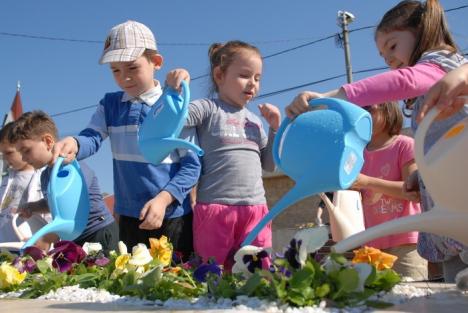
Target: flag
[(16, 108), (15, 112)]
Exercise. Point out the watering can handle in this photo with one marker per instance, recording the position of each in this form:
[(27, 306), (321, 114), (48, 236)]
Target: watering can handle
[(55, 170), (420, 136), (278, 137), (185, 96)]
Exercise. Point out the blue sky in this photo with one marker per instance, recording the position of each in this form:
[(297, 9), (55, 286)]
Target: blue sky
[(58, 76)]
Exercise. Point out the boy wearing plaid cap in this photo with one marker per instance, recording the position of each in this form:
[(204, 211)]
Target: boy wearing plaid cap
[(151, 200)]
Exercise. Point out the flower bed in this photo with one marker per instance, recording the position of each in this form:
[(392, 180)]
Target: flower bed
[(293, 279)]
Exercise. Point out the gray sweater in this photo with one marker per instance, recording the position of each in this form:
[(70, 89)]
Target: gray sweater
[(236, 149)]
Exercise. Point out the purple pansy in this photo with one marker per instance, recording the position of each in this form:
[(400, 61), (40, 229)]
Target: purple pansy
[(202, 271), (65, 254)]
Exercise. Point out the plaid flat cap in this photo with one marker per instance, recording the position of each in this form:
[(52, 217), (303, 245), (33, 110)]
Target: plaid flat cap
[(127, 42)]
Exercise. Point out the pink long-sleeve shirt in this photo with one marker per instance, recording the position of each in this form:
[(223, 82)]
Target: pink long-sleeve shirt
[(404, 83)]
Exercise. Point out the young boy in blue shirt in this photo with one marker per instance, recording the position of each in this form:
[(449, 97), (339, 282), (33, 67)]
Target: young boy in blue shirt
[(151, 200), (34, 135)]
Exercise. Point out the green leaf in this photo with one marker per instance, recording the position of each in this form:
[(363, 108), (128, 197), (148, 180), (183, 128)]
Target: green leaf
[(43, 266), (302, 278), (252, 283), (322, 290), (152, 277), (348, 279)]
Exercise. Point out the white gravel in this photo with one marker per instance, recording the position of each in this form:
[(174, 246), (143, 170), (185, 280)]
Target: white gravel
[(400, 293)]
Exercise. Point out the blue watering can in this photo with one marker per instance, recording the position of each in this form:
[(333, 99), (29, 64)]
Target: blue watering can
[(68, 201), (321, 150), (161, 128)]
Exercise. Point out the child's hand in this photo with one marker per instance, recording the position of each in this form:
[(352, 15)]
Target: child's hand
[(411, 187), (154, 210), (300, 104), (67, 148), (175, 77), (446, 94), (271, 114), (23, 211)]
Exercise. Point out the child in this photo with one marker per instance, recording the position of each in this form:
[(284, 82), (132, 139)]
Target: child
[(414, 40), (388, 161), (21, 185), (448, 93), (34, 134), (231, 199), (151, 200)]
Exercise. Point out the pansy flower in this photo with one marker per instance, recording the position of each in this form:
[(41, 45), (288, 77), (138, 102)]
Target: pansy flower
[(380, 260), (140, 255), (161, 249), (10, 276), (202, 271), (249, 258), (65, 254), (305, 242), (92, 247)]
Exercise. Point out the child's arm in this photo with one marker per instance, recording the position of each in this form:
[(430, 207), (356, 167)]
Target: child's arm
[(444, 94), (388, 187), (273, 117), (404, 83), (28, 209)]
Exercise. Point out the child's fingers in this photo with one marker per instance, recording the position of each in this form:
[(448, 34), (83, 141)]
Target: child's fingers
[(144, 211)]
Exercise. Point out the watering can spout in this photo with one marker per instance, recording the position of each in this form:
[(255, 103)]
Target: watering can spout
[(450, 224), (156, 150), (295, 194)]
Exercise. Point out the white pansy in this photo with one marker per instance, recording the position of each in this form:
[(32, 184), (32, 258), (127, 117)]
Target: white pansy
[(363, 270), (140, 255), (122, 248), (312, 239), (91, 247), (239, 265)]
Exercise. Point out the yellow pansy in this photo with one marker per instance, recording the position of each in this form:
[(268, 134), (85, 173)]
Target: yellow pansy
[(122, 261), (10, 276), (375, 257), (161, 250)]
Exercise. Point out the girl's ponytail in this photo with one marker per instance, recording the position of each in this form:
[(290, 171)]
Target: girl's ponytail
[(434, 32)]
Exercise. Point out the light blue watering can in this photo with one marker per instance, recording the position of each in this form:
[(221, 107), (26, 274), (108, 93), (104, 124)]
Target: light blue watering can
[(68, 201), (161, 128), (321, 150)]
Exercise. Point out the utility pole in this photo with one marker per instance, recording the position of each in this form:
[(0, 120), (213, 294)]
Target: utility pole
[(343, 20)]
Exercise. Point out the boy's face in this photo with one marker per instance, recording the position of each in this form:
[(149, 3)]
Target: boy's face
[(37, 152), (136, 77), (12, 156)]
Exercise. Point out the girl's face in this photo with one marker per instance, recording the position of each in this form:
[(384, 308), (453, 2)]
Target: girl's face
[(378, 121), (396, 47), (136, 77), (241, 80)]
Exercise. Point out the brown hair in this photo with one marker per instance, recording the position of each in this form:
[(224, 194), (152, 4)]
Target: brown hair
[(32, 125), (426, 20), (392, 115), (148, 54), (222, 55), (5, 132)]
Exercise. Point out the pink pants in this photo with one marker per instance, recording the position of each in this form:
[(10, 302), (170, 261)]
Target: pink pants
[(218, 230)]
